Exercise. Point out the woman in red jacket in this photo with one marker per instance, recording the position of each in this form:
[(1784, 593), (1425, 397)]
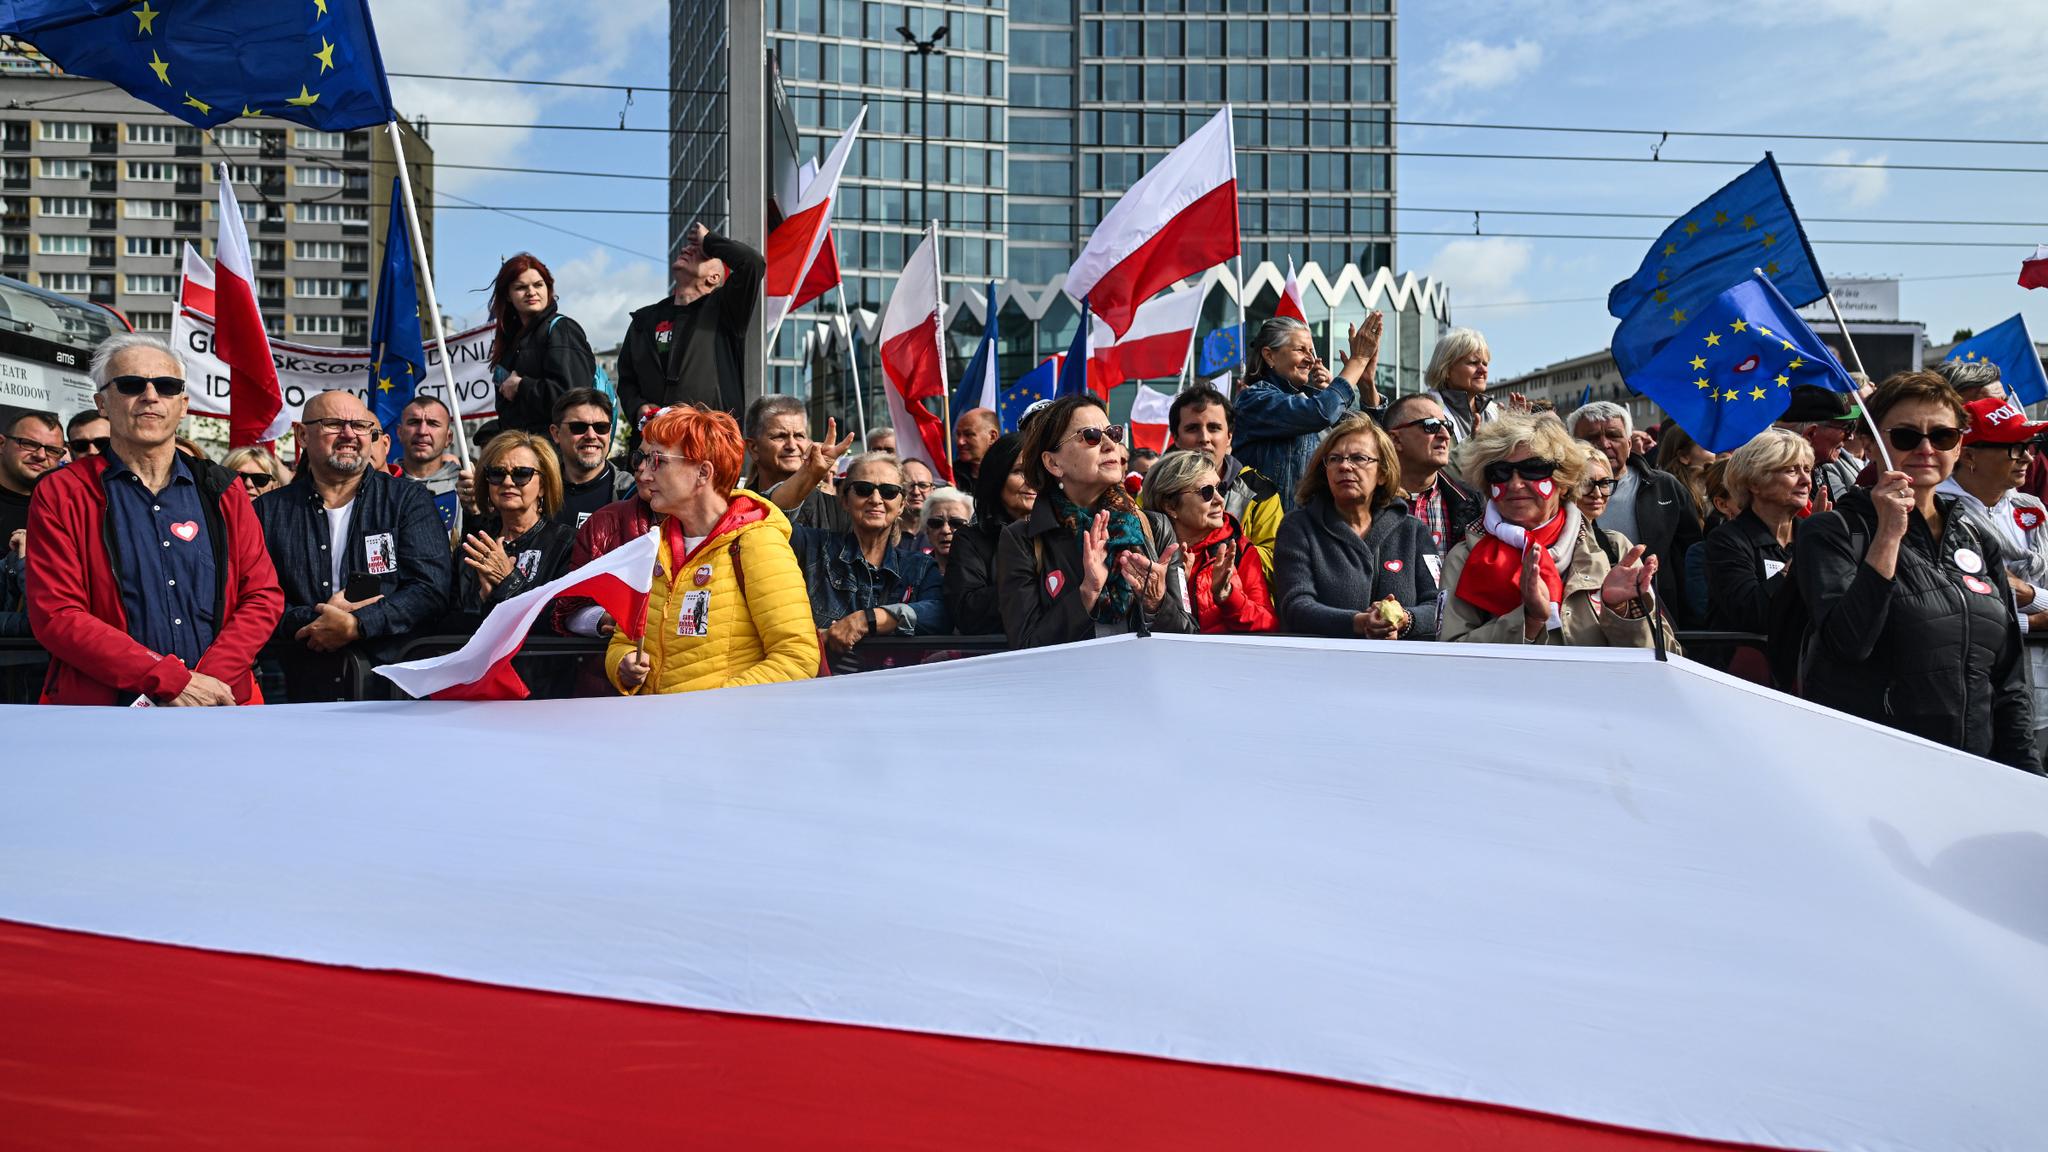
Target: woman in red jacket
[(1226, 586)]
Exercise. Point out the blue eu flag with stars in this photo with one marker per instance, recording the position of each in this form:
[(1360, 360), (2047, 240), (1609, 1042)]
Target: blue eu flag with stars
[(1730, 372), (1222, 351), (2011, 347), (1030, 388), (313, 62), (398, 357), (1748, 224)]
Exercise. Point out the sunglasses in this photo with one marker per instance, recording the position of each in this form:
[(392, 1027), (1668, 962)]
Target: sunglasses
[(133, 385), (1501, 471), (938, 522), (1208, 492), (256, 479), (2017, 451), (862, 489), (97, 446), (1093, 436), (1431, 425), (54, 451), (586, 427), (520, 477), (1905, 439), (1600, 487)]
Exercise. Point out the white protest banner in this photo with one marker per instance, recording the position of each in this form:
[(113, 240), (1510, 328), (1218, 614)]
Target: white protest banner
[(303, 369)]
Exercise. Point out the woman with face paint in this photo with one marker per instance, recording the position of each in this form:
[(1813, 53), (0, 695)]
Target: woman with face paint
[(1537, 573)]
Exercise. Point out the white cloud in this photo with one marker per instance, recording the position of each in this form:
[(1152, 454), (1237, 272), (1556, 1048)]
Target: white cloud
[(1475, 66), (1858, 187), (1483, 269), (601, 290)]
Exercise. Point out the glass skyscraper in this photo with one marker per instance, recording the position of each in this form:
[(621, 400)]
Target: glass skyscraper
[(1041, 113)]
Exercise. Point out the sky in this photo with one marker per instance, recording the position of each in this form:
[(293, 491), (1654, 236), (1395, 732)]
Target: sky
[(1875, 68)]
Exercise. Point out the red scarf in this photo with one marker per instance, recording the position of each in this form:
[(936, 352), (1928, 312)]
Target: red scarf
[(1492, 578)]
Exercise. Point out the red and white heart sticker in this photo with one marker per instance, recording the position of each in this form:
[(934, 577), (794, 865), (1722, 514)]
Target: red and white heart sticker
[(2027, 518), (1980, 587), (186, 530), (1545, 487), (1055, 583), (1393, 565)]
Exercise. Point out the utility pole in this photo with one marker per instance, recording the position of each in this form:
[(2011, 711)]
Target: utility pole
[(924, 50)]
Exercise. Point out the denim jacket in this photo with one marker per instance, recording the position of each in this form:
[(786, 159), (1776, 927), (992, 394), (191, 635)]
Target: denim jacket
[(841, 582)]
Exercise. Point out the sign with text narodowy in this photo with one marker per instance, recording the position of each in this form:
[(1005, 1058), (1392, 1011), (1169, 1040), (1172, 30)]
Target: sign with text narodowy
[(303, 369)]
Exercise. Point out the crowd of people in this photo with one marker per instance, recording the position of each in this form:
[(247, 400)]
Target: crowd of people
[(1304, 502)]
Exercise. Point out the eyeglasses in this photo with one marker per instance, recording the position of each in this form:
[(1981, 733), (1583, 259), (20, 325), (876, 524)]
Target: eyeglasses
[(1358, 460), (586, 427), (97, 446), (2017, 451), (862, 489), (1598, 487), (652, 458), (1430, 425), (920, 485), (166, 386), (1906, 439), (938, 522), (1208, 492), (335, 426), (256, 479), (1093, 436), (53, 451), (520, 477), (1501, 471)]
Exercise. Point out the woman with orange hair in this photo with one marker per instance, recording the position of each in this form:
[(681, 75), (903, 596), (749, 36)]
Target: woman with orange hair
[(540, 353), (728, 604)]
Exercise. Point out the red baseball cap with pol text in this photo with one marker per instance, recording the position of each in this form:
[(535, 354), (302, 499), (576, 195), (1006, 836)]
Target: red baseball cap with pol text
[(1996, 420)]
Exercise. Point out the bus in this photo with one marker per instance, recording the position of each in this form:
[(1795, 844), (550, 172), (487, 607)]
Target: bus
[(46, 343)]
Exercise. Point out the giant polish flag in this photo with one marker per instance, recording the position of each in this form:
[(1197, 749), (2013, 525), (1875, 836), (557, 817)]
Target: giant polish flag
[(1742, 921), (794, 245), (1290, 297), (914, 358), (258, 414), (1178, 219), (482, 669), (1154, 347)]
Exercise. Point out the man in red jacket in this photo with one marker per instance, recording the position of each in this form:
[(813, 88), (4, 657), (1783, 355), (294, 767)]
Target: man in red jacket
[(147, 575)]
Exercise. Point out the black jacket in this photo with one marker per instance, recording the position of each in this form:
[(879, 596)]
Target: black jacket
[(1934, 651), (1739, 591), (703, 360), (550, 541), (552, 357), (1325, 573), (1666, 525), (1041, 603), (971, 580)]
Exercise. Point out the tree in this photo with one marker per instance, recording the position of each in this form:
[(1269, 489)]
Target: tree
[(1961, 335)]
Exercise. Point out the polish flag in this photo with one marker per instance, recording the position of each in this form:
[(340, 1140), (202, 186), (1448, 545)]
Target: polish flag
[(796, 242), (2034, 269), (1178, 219), (195, 290), (824, 273), (482, 669), (256, 411), (1151, 426), (1290, 297), (914, 358), (1155, 346)]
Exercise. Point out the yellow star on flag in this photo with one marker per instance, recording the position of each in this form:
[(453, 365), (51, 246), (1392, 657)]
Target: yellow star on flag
[(1663, 274), (1796, 363), (321, 6), (1713, 339), (1770, 238), (1700, 383), (1692, 227), (160, 66), (1699, 362), (1670, 249), (1756, 393), (304, 99), (383, 384), (1763, 331), (325, 55), (1969, 355), (1784, 381), (1748, 222), (192, 101), (1771, 269), (247, 111), (1787, 344), (1730, 394), (1677, 315), (146, 17), (1720, 218), (1739, 326), (1661, 296)]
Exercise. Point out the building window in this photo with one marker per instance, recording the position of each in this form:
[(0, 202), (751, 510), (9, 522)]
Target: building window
[(315, 176), (145, 285), (309, 139), (151, 246), (69, 283), (316, 250), (152, 171), (319, 288), (56, 169), (64, 245), (238, 137), (331, 213), (67, 131), (316, 325), (150, 321), (167, 134), (150, 209), (73, 206)]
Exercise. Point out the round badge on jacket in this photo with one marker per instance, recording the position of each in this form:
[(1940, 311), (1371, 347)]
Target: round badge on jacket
[(2027, 518), (702, 576), (1980, 587), (1967, 560)]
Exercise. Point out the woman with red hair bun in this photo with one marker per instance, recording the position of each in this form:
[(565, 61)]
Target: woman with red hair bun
[(540, 353), (728, 605)]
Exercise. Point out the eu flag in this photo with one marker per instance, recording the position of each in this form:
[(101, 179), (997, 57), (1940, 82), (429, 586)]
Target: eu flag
[(1748, 224), (312, 62), (1730, 372), (1035, 385), (398, 357), (1222, 351), (2011, 347), (1074, 371)]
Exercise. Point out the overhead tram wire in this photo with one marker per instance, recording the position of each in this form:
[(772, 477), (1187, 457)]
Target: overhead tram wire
[(1602, 299)]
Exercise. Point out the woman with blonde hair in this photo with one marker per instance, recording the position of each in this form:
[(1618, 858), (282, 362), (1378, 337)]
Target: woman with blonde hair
[(1226, 584), (1538, 571), (1770, 479), (1351, 560), (521, 545), (258, 468)]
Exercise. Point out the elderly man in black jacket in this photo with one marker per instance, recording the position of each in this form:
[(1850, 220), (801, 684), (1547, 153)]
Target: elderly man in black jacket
[(361, 554), (691, 347), (1649, 506)]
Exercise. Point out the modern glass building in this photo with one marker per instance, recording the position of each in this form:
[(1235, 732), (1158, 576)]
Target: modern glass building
[(1041, 113)]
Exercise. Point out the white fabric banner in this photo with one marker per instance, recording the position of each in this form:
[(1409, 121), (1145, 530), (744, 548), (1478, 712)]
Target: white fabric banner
[(306, 369)]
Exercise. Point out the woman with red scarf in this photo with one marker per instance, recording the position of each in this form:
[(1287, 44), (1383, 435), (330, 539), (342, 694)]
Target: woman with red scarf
[(1226, 584), (1537, 573)]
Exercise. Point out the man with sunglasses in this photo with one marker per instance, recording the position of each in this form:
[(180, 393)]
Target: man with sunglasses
[(362, 554), (1422, 436), (1203, 421), (32, 447), (148, 577), (582, 435), (85, 434), (1825, 418)]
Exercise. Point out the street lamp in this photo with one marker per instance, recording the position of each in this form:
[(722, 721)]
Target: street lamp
[(925, 49)]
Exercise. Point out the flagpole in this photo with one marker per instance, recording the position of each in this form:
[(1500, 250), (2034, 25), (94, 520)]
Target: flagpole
[(1876, 436), (1244, 337), (945, 389), (860, 397), (419, 251)]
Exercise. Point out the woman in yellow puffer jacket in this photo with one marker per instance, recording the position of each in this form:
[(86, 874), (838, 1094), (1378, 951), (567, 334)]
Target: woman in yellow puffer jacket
[(728, 606)]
